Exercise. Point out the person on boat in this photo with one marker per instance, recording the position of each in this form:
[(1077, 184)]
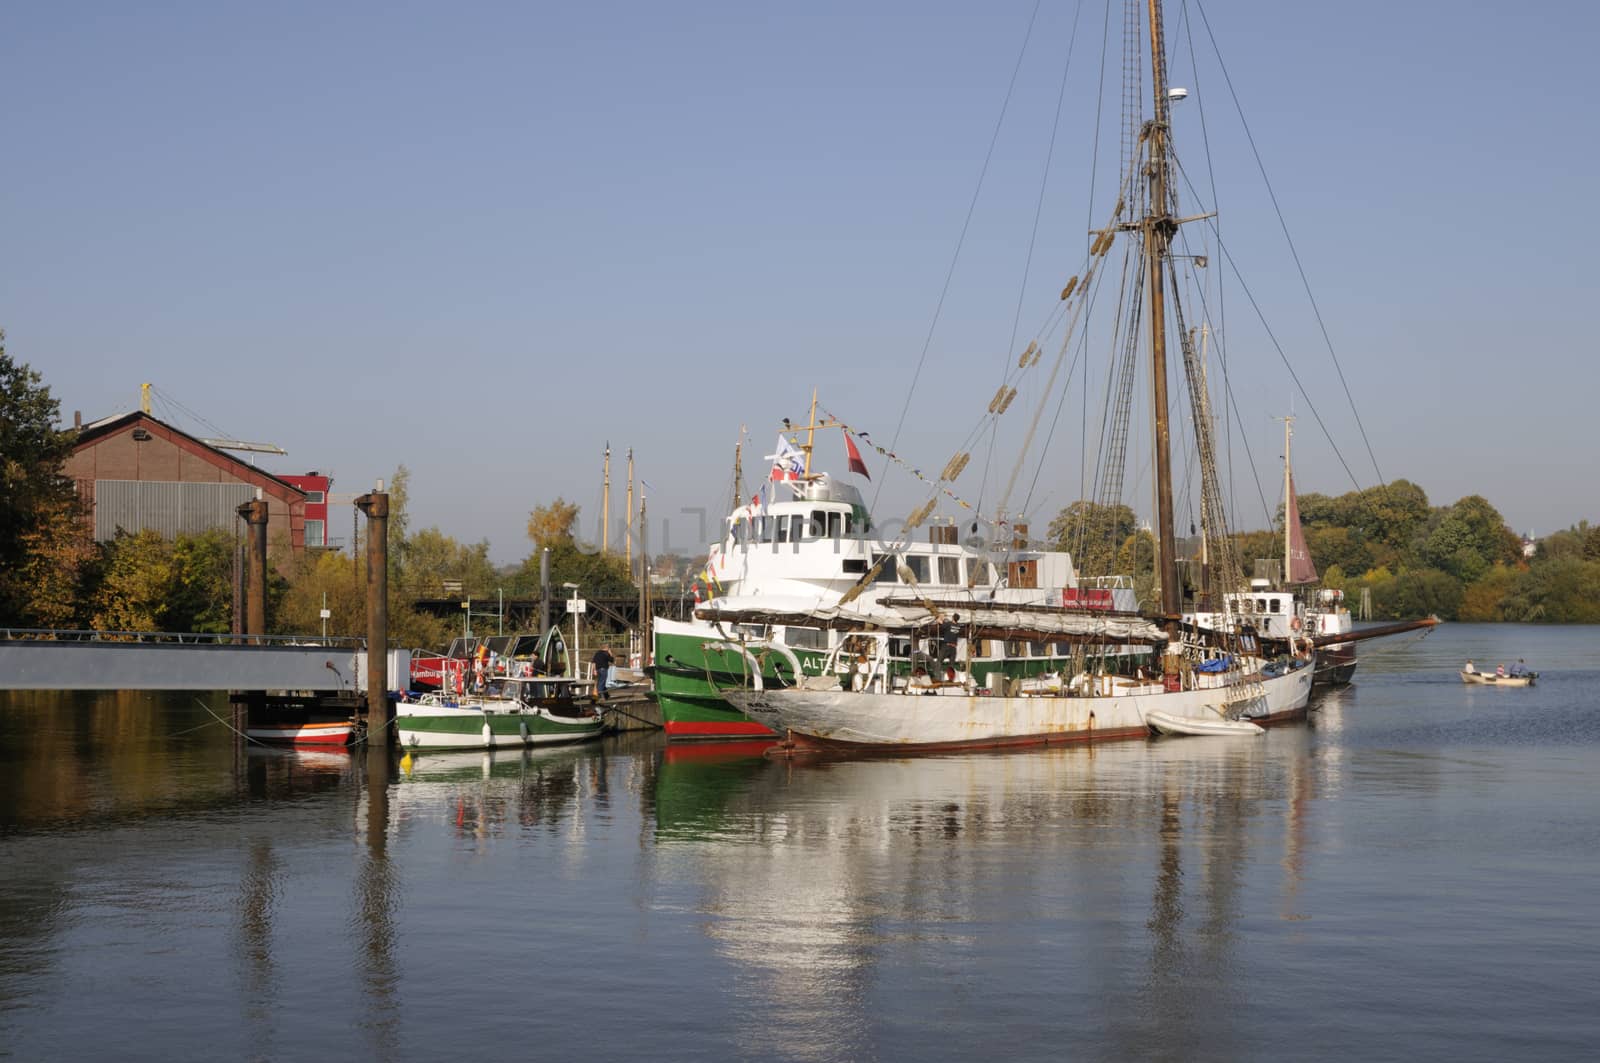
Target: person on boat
[(602, 661), (1469, 669), (949, 637), (1518, 669), (1500, 670)]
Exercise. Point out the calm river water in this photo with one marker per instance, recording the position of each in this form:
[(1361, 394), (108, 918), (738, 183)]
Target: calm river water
[(1415, 875)]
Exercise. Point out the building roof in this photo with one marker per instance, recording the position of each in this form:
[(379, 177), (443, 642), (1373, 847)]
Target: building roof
[(108, 426)]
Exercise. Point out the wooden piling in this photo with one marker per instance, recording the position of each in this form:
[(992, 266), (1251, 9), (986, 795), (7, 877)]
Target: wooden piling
[(375, 505), (255, 518)]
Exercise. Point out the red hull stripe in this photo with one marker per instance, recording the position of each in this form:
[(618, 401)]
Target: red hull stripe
[(327, 734), (716, 729)]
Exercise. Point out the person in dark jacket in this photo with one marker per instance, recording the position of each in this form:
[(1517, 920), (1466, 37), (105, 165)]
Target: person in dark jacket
[(602, 661)]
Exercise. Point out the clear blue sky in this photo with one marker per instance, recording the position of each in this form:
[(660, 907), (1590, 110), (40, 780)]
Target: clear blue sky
[(480, 240)]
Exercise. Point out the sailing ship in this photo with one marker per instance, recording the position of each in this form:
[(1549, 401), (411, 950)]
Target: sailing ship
[(1317, 623), (1271, 610), (1195, 675)]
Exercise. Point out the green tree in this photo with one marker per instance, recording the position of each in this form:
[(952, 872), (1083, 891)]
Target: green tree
[(1562, 591), (1484, 599), (59, 565), (135, 591), (35, 498), (323, 576), (433, 557), (201, 596), (1093, 534), (554, 526), (1418, 593)]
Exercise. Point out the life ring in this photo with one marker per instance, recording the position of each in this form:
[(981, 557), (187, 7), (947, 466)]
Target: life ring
[(1295, 625)]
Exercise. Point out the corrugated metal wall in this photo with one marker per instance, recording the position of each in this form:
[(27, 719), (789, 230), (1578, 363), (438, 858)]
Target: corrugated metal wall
[(168, 507)]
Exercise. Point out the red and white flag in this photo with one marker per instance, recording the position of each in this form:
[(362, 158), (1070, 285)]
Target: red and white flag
[(856, 464)]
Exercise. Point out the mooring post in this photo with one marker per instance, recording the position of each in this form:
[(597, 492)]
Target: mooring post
[(255, 519), (544, 591), (375, 505)]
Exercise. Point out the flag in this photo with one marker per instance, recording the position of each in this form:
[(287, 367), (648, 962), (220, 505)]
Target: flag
[(788, 463), (856, 464), (696, 589)]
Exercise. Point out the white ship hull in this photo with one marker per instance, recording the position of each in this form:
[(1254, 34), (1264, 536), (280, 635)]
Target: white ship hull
[(843, 719)]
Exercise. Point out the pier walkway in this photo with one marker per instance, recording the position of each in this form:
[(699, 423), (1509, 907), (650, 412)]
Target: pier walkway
[(132, 660)]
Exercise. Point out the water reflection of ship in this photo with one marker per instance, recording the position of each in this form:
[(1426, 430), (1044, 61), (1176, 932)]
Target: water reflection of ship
[(804, 869), (485, 792), (281, 771), (695, 782)]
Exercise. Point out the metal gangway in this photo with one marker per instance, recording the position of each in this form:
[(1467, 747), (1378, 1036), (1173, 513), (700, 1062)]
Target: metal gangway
[(37, 659)]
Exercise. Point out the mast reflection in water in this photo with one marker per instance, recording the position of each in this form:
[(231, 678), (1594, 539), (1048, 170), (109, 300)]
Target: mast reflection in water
[(818, 875)]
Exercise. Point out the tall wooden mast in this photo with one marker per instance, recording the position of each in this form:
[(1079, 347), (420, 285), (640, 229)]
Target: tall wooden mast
[(605, 506), (628, 537), (1159, 225), (811, 434)]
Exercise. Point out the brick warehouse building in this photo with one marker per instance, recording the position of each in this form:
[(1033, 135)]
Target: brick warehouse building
[(136, 472)]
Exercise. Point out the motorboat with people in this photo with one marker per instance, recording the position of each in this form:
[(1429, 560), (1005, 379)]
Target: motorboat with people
[(1518, 675)]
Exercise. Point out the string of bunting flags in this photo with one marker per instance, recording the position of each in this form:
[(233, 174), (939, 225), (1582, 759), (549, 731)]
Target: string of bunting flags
[(950, 472)]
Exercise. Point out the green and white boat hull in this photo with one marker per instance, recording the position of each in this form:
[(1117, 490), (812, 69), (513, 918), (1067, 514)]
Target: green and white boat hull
[(474, 727), (694, 665)]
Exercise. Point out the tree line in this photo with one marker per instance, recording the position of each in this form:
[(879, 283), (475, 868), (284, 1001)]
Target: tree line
[(1457, 562)]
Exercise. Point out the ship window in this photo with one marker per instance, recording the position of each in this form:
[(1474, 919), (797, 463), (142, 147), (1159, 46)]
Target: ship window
[(1277, 606), (1039, 649), (819, 524), (849, 524), (950, 571), (806, 638), (918, 564), (979, 573), (835, 525), (887, 572), (1016, 648), (855, 565), (900, 648), (783, 529), (1261, 605)]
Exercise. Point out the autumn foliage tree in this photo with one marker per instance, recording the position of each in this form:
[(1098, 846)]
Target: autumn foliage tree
[(43, 545)]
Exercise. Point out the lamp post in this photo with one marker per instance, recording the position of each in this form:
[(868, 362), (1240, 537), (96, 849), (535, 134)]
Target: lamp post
[(575, 606)]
